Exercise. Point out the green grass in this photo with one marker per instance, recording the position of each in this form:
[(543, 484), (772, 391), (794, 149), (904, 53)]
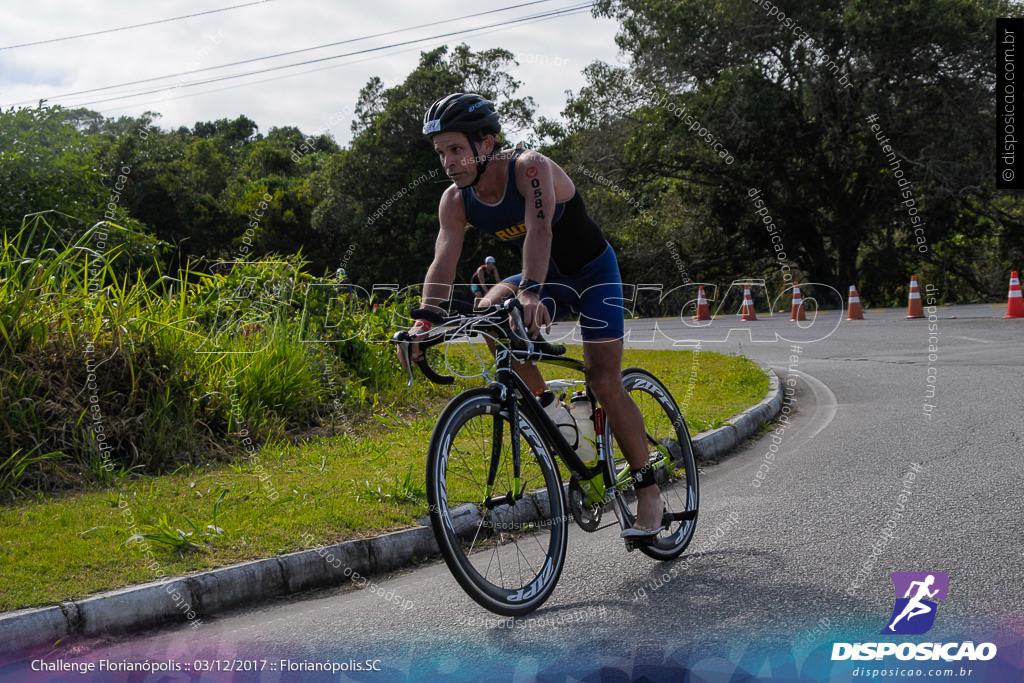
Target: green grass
[(361, 483)]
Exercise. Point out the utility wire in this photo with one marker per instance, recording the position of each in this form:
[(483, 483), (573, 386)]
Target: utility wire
[(125, 28), (281, 54), (547, 15), (285, 76)]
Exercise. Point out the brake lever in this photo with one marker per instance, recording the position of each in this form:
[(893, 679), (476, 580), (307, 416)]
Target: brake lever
[(403, 341), (518, 326)]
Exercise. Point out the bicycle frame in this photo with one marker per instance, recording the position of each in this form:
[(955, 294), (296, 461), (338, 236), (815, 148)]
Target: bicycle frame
[(514, 395), (508, 383), (614, 483), (508, 379)]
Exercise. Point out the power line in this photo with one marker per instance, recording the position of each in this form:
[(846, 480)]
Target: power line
[(280, 54), (547, 15), (125, 28), (285, 76)]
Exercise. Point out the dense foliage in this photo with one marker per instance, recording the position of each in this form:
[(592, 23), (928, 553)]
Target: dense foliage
[(788, 89), (719, 101)]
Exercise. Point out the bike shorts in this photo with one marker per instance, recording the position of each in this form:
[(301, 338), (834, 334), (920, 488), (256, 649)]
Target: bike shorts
[(594, 291)]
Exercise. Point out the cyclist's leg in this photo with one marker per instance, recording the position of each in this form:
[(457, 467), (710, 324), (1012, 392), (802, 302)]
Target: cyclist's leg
[(601, 325), (532, 376), (499, 292), (603, 360)]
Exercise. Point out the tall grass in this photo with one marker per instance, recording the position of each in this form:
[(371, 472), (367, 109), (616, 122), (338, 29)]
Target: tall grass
[(104, 371)]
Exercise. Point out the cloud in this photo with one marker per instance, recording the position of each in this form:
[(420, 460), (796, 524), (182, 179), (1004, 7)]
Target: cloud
[(551, 55)]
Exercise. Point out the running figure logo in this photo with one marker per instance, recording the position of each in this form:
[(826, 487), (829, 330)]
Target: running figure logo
[(914, 612)]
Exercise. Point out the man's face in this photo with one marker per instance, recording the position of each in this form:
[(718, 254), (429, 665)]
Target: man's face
[(457, 156)]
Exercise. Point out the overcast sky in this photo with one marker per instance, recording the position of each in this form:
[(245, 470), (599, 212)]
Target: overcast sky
[(552, 54)]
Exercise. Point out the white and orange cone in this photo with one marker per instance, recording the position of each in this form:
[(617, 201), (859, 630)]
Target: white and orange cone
[(1014, 302), (703, 312), (748, 306), (797, 312), (853, 310), (914, 308)]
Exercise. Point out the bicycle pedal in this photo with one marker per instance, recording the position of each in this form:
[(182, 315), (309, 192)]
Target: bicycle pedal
[(639, 542), (645, 541)]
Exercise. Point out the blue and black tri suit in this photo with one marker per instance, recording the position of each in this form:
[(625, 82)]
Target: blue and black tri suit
[(583, 273)]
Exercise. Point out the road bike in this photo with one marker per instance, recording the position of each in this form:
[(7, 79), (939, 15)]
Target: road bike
[(497, 502)]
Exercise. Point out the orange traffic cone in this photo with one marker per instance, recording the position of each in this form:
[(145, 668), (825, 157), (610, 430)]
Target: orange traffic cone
[(748, 306), (914, 309), (703, 312), (853, 310), (1014, 302), (797, 312)]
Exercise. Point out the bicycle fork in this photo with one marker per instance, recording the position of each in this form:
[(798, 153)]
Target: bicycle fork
[(497, 437)]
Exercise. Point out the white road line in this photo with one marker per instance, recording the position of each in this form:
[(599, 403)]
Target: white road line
[(827, 406), (824, 411)]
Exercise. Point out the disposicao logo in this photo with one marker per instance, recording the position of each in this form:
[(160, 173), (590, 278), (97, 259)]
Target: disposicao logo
[(914, 614)]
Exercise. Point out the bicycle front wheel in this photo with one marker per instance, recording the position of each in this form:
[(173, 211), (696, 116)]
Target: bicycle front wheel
[(670, 452), (502, 532)]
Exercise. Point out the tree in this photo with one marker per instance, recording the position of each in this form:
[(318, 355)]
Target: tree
[(46, 163), (788, 95)]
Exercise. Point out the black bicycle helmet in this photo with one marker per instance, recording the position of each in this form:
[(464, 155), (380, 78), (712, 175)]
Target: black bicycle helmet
[(467, 113), (461, 113)]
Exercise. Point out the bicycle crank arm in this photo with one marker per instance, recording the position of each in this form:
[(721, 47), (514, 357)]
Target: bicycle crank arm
[(620, 509)]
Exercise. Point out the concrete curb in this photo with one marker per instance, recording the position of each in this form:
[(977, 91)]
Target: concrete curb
[(180, 598), (742, 426)]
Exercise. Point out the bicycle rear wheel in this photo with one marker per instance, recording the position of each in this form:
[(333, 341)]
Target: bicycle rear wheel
[(503, 538), (670, 451)]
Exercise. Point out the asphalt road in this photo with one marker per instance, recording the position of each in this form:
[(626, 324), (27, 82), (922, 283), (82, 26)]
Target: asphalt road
[(776, 572)]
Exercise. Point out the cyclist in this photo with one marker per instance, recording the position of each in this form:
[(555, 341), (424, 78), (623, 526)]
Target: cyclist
[(478, 281), (522, 197)]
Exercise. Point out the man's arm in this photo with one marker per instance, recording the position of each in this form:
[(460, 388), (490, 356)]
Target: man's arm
[(440, 275), (534, 182), (497, 275), (447, 249)]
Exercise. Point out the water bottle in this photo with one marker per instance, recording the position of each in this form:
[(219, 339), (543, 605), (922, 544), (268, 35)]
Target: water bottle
[(560, 415), (582, 412)]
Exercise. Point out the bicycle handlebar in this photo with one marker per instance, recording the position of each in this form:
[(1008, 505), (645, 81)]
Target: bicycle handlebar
[(505, 317)]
